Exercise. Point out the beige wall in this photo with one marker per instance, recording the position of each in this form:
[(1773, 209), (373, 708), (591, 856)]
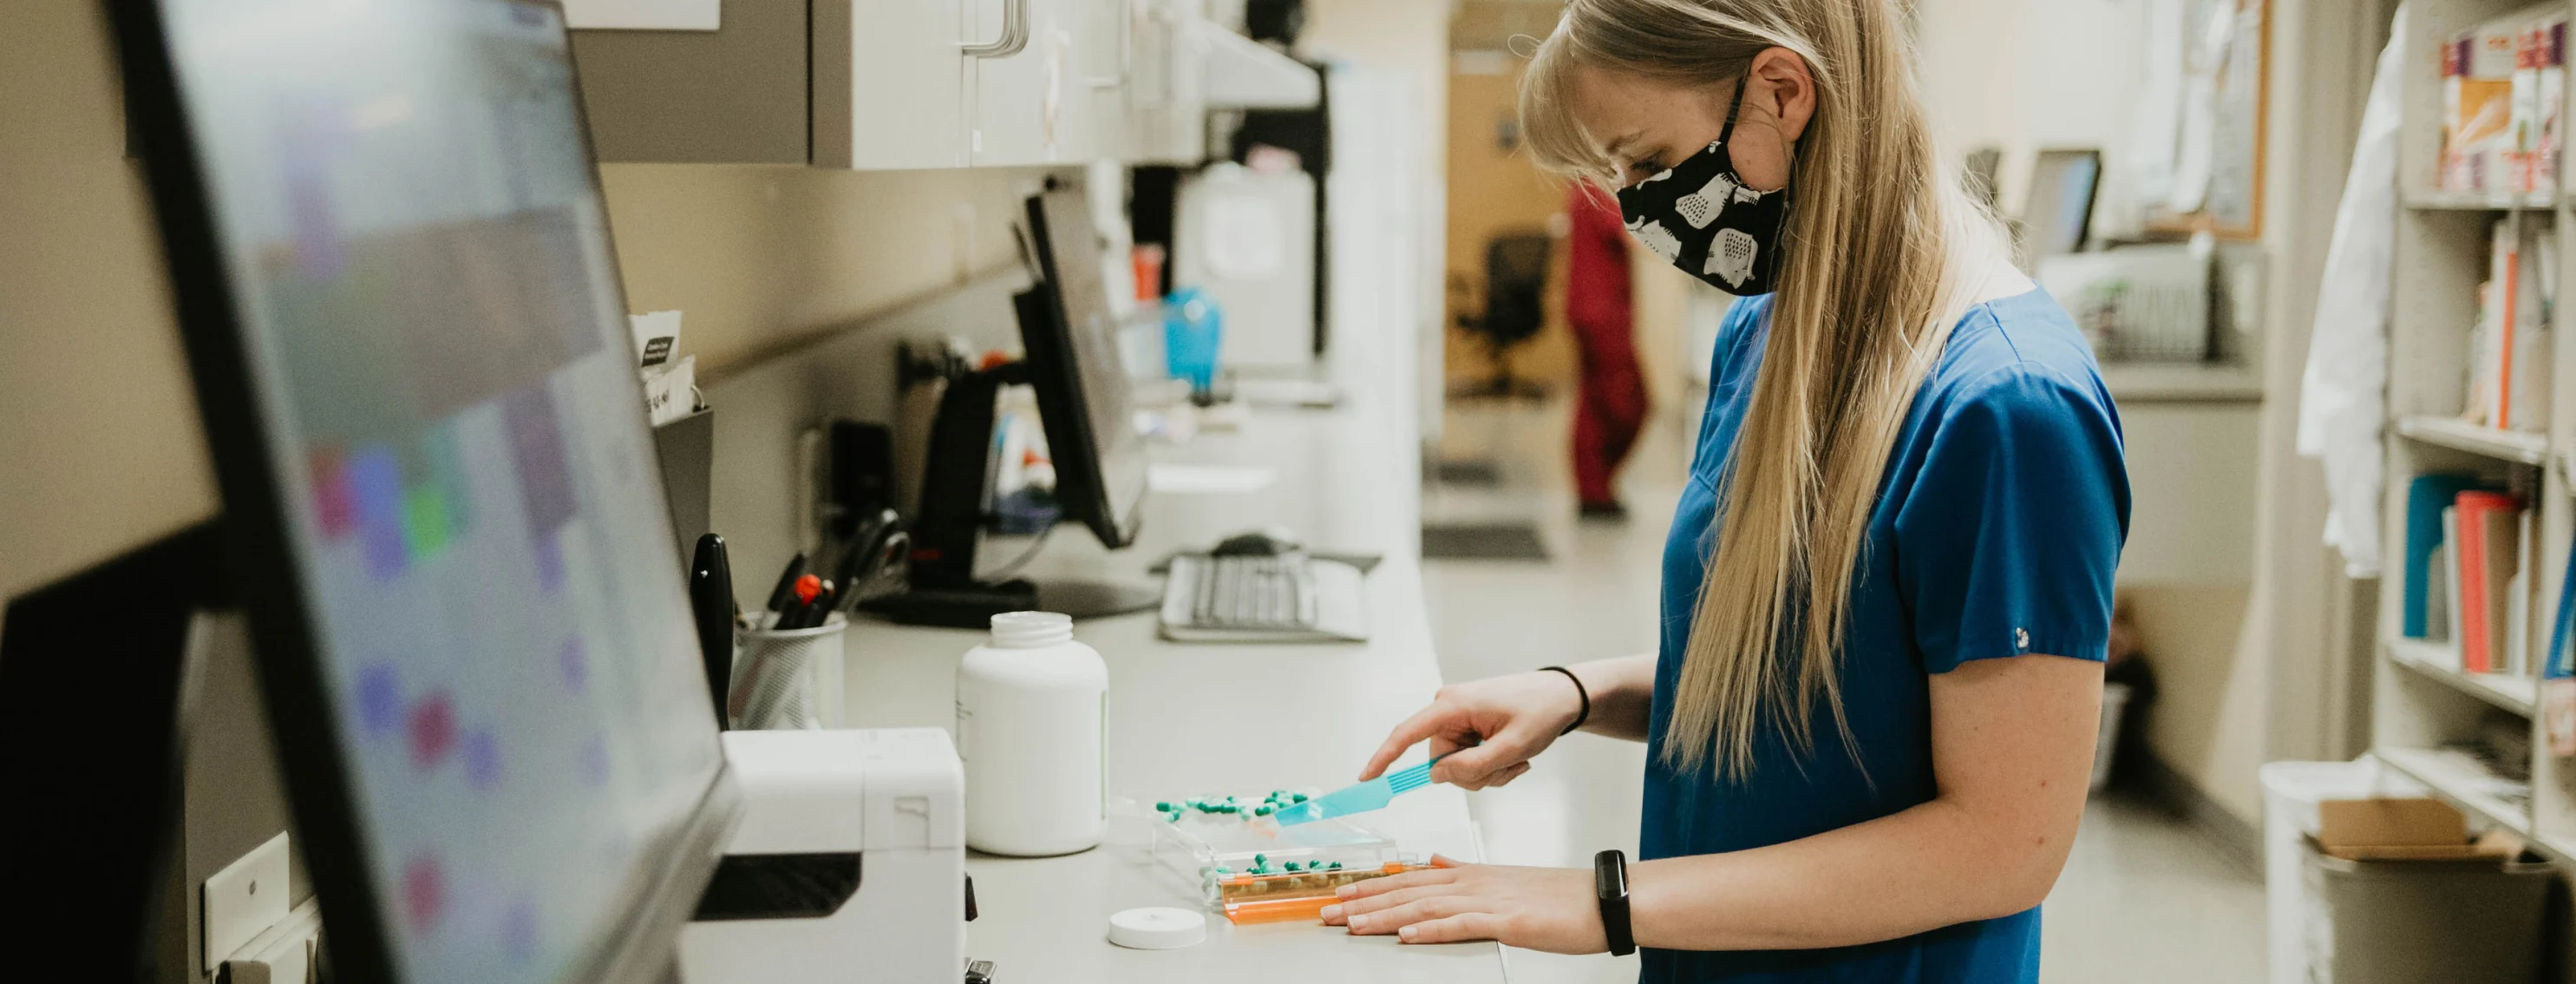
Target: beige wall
[(762, 258), (2031, 74), (99, 442), (1494, 191), (99, 448)]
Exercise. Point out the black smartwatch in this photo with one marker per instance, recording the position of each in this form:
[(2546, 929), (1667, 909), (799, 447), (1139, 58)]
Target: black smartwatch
[(1610, 886)]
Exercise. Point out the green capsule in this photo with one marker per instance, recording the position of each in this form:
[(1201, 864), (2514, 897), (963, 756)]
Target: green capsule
[(1162, 807), (1337, 866), (1261, 811), (1301, 797), (1261, 859)]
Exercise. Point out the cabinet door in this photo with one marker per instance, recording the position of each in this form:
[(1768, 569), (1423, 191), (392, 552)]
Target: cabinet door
[(1034, 106), (1110, 82), (891, 84), (1166, 118)]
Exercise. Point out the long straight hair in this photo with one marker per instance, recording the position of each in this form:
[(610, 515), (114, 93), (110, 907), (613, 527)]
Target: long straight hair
[(1883, 252)]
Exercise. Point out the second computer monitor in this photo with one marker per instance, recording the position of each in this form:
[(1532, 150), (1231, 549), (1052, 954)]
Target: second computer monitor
[(2059, 211), (1081, 383)]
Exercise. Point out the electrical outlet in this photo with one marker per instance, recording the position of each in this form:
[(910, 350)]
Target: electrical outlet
[(283, 954), (244, 899)]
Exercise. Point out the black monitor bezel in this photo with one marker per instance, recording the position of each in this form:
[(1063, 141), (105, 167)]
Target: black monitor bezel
[(1081, 480), (268, 584)]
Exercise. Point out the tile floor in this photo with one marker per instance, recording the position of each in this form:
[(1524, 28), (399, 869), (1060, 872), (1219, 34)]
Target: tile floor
[(2142, 898)]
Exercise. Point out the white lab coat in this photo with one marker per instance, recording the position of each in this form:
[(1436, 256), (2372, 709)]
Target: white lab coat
[(2343, 395)]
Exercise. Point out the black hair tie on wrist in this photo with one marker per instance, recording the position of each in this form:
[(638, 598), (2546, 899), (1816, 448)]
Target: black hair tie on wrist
[(1579, 716)]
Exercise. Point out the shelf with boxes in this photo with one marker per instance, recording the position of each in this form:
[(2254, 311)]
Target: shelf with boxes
[(2480, 510)]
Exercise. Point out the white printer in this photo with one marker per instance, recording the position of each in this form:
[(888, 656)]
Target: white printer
[(849, 863)]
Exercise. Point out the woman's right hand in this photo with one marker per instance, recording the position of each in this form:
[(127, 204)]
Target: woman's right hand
[(1495, 726)]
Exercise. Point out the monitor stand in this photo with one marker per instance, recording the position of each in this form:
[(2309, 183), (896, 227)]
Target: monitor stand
[(955, 478)]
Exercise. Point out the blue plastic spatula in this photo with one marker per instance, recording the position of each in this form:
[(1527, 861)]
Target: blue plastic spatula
[(1374, 794)]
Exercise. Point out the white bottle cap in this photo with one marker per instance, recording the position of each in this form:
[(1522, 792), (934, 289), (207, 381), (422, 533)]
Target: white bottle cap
[(1157, 928), (1031, 630)]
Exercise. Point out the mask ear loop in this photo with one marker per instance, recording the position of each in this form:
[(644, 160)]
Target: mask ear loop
[(1726, 134)]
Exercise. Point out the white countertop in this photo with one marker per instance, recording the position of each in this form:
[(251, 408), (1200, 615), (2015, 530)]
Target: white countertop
[(1189, 719)]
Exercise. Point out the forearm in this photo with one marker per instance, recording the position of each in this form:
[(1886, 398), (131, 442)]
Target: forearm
[(1622, 691), (1931, 866)]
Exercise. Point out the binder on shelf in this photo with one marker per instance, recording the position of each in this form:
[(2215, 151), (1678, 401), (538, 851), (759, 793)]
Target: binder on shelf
[(2519, 592), (2450, 557), (2487, 559), (2426, 497), (2509, 342), (2558, 665), (2558, 669)]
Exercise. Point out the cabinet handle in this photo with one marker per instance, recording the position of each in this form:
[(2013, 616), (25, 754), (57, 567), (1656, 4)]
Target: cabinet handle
[(1126, 49), (1015, 33)]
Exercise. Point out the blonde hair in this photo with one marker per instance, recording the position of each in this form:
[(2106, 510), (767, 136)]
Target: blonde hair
[(1883, 252)]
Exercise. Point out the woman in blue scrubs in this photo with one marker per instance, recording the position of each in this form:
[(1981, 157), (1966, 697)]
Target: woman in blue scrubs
[(1887, 591)]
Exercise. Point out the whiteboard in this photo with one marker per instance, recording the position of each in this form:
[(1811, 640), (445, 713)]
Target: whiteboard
[(643, 15)]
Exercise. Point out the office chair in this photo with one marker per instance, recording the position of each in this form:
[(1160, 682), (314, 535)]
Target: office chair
[(1515, 310)]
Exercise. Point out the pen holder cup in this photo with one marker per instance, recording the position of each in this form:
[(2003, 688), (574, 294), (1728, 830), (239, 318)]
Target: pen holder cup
[(787, 680)]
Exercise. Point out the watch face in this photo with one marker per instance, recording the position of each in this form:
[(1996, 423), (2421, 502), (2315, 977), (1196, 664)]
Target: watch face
[(1610, 875)]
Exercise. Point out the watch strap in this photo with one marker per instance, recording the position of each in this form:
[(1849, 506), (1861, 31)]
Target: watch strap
[(1610, 886)]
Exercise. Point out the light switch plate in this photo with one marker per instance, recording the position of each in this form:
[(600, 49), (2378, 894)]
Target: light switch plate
[(244, 899)]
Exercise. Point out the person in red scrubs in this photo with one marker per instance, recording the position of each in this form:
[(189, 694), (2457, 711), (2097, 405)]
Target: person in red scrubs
[(1611, 404)]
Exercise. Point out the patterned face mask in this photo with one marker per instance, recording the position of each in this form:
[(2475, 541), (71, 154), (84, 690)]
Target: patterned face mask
[(1699, 215)]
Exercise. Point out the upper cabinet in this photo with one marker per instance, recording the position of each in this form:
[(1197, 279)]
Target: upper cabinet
[(909, 84), (733, 95), (1164, 103), (893, 81)]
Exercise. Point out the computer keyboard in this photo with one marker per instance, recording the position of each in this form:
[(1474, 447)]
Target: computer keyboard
[(1285, 598)]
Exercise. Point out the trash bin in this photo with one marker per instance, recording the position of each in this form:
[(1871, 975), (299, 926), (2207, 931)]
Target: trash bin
[(2404, 922), (2291, 792)]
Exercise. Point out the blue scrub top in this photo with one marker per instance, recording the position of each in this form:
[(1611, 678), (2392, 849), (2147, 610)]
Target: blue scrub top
[(1998, 525)]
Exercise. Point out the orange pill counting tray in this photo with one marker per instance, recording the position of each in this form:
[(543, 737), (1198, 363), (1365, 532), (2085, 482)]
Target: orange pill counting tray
[(1284, 897)]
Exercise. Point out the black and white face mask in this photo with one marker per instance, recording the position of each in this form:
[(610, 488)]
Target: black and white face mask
[(1699, 215)]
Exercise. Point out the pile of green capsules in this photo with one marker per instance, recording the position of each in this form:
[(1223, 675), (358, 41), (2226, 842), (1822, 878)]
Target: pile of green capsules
[(1261, 866), (1279, 799)]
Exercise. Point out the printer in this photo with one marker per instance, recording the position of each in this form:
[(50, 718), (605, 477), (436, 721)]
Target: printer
[(788, 903)]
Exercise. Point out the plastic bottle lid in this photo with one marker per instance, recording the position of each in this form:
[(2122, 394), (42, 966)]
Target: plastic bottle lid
[(1157, 928), (1031, 630)]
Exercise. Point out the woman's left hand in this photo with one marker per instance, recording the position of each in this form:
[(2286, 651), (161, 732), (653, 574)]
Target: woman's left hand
[(1550, 909)]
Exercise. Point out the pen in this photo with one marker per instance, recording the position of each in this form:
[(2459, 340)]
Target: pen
[(800, 598), (819, 610), (711, 606), (785, 591)]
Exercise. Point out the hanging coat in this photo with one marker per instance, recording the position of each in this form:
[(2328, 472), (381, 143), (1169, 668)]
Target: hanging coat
[(2343, 395)]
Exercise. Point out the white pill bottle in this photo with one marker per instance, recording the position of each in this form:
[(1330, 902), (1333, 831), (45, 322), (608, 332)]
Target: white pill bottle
[(1032, 727)]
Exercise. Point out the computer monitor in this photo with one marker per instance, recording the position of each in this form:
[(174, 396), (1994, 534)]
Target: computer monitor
[(392, 269), (1080, 379), (2058, 216), (1072, 361)]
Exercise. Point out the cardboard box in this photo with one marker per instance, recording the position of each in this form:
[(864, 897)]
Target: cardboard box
[(2407, 829)]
